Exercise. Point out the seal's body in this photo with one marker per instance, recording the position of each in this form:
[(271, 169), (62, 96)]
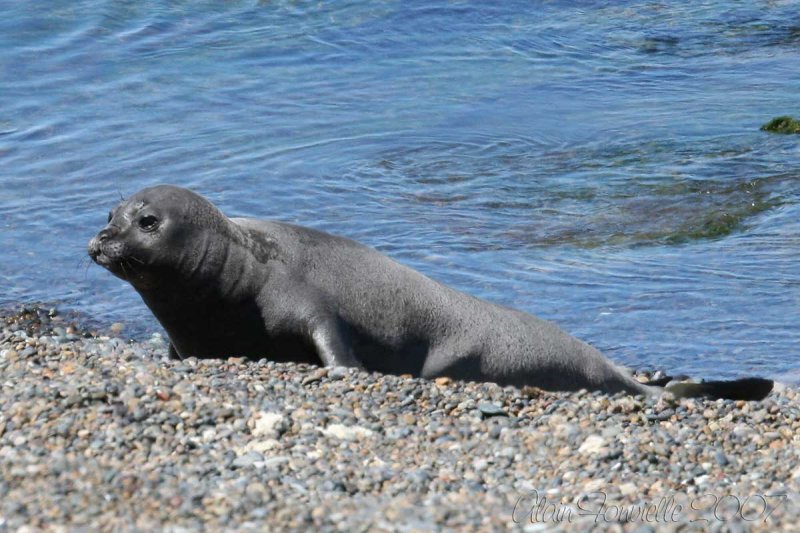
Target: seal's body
[(244, 287)]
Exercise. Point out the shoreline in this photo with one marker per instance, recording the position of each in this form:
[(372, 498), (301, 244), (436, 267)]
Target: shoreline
[(104, 434)]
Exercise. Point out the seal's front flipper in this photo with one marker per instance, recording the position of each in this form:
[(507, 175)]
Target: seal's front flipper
[(172, 353), (331, 341), (737, 389)]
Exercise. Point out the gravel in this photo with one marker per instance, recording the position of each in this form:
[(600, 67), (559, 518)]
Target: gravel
[(97, 433)]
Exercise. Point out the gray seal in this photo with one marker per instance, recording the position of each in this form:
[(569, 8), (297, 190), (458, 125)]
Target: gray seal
[(243, 287)]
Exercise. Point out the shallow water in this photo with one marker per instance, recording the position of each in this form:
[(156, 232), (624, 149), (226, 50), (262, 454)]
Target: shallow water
[(600, 166)]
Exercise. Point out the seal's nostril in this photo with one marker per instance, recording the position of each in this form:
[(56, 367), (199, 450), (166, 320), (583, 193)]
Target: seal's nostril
[(106, 234)]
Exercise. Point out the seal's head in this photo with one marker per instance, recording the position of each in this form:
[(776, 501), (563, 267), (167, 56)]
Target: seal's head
[(154, 234)]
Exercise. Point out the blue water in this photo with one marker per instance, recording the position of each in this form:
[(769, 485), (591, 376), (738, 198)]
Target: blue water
[(599, 165)]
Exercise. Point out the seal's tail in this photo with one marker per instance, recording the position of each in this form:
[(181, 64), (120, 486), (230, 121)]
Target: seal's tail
[(751, 389)]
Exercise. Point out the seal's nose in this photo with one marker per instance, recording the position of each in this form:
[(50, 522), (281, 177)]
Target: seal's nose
[(107, 233)]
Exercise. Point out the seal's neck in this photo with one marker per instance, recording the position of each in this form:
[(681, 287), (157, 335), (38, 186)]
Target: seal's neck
[(227, 263), (216, 279), (211, 263)]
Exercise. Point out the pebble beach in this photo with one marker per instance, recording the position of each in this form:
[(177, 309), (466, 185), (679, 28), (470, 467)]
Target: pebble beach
[(101, 433)]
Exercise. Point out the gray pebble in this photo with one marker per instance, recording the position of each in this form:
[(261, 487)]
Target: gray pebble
[(490, 409), (248, 460), (721, 458)]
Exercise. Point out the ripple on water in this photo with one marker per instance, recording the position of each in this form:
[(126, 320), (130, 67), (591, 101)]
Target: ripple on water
[(584, 197)]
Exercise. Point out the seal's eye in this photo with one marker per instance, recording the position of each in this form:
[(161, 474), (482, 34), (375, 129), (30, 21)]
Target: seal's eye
[(148, 222)]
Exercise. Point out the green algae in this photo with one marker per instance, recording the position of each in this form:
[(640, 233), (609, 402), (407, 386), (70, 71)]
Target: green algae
[(784, 124)]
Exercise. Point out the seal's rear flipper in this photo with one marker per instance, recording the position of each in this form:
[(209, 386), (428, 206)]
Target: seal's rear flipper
[(737, 389), (664, 380)]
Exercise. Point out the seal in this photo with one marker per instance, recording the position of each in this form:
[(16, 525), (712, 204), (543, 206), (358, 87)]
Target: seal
[(244, 287)]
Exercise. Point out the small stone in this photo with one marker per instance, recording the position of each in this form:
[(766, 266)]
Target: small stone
[(117, 327), (337, 372), (443, 381), (629, 489), (419, 476), (249, 459), (531, 391), (268, 425), (263, 446), (490, 409), (480, 464), (593, 444), (315, 376), (275, 462), (508, 452), (73, 400), (254, 490), (348, 433)]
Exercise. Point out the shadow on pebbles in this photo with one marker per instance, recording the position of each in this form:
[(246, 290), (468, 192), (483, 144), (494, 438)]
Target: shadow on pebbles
[(101, 434)]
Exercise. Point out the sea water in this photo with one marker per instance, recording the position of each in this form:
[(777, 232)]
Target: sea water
[(598, 164)]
